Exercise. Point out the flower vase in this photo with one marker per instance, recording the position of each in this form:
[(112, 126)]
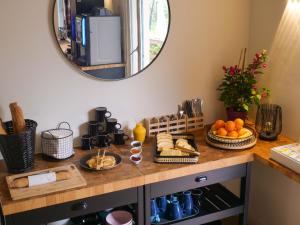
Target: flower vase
[(232, 114)]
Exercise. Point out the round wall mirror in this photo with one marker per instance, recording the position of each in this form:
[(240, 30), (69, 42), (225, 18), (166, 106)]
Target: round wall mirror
[(111, 39)]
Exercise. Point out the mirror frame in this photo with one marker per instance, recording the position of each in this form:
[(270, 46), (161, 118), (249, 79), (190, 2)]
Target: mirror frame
[(102, 79)]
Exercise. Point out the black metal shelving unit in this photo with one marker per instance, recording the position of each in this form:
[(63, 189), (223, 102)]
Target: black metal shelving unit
[(219, 203)]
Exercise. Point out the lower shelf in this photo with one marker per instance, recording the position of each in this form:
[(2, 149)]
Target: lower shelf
[(218, 203)]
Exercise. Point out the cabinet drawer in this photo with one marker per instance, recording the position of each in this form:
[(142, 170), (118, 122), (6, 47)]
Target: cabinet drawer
[(197, 180), (75, 208)]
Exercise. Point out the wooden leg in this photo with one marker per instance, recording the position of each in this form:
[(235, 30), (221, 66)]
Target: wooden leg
[(245, 190)]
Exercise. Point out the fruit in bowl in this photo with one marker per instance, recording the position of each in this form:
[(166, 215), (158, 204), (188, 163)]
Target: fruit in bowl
[(230, 129)]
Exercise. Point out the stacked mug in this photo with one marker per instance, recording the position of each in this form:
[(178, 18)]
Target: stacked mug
[(103, 131), (176, 206)]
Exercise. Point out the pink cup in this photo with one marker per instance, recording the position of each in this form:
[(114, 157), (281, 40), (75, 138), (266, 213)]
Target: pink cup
[(119, 218)]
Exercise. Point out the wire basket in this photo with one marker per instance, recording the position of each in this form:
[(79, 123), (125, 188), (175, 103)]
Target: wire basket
[(18, 149), (58, 143)]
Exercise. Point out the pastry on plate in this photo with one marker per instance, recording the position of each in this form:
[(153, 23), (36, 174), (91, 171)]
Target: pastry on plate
[(99, 162)]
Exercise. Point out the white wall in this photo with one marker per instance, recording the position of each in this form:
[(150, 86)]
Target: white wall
[(274, 198), (204, 35)]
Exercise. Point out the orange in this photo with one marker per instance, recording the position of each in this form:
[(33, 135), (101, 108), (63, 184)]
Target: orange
[(230, 126), (219, 124), (233, 134), (239, 123), (242, 131), (222, 132)]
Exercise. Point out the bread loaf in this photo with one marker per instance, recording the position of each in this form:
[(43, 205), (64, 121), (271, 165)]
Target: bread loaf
[(24, 182), (17, 118), (2, 130)]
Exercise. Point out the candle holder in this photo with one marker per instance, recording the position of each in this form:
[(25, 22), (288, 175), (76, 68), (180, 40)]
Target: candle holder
[(268, 121)]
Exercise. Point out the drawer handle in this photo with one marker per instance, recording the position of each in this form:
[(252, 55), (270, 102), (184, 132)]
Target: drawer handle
[(201, 179), (79, 206)]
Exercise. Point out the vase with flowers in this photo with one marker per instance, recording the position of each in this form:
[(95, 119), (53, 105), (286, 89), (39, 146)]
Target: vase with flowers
[(238, 90)]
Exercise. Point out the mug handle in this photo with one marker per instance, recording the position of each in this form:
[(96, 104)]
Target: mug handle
[(108, 115), (101, 128), (93, 142), (118, 124), (109, 139), (125, 137)]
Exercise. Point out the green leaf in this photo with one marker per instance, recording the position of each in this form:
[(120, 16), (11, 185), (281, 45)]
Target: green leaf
[(246, 107)]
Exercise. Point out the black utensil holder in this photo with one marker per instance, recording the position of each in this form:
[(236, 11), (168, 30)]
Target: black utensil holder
[(18, 149)]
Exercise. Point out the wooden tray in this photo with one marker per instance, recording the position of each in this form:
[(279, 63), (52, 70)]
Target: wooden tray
[(75, 181), (177, 159)]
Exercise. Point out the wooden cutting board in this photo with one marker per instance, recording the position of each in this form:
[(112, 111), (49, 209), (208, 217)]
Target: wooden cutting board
[(75, 181)]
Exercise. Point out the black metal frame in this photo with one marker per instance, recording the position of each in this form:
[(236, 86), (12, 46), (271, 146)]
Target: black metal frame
[(199, 180)]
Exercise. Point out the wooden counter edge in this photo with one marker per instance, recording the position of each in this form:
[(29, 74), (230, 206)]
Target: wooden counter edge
[(71, 195), (198, 168)]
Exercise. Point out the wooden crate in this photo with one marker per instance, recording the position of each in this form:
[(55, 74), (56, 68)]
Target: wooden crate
[(172, 124), (177, 125), (194, 124), (157, 125)]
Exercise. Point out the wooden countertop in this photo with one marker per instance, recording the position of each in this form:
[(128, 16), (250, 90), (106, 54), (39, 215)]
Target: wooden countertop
[(128, 175)]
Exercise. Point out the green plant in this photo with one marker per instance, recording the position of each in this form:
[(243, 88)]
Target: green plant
[(238, 89)]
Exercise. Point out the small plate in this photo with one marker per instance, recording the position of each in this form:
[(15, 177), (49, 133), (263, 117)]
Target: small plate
[(84, 159)]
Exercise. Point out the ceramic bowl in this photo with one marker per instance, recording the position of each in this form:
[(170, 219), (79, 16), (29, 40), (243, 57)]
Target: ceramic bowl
[(136, 156), (61, 222), (119, 218), (138, 151), (136, 144)]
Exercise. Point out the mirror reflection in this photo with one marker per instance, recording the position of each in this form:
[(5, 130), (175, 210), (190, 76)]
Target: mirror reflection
[(111, 39)]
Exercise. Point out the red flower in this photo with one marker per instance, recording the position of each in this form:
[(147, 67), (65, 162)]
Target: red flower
[(254, 86), (264, 95), (264, 65), (232, 71)]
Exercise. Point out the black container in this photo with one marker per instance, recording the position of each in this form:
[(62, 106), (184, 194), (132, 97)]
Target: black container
[(18, 149), (268, 122)]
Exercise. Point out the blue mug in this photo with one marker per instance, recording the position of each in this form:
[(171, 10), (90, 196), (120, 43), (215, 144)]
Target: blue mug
[(174, 211), (173, 198), (162, 204), (188, 204), (154, 212), (198, 196)]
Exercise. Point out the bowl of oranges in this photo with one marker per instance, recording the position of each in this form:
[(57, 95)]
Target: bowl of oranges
[(230, 131)]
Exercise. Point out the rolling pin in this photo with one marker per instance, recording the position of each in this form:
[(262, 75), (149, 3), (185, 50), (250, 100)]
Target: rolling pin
[(17, 118), (26, 181), (2, 130)]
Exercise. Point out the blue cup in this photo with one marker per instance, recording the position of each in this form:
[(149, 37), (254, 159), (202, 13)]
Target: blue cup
[(198, 196), (173, 198), (174, 211), (154, 212), (188, 204), (162, 204)]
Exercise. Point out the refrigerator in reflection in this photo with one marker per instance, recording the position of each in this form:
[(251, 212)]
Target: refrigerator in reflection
[(98, 40)]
